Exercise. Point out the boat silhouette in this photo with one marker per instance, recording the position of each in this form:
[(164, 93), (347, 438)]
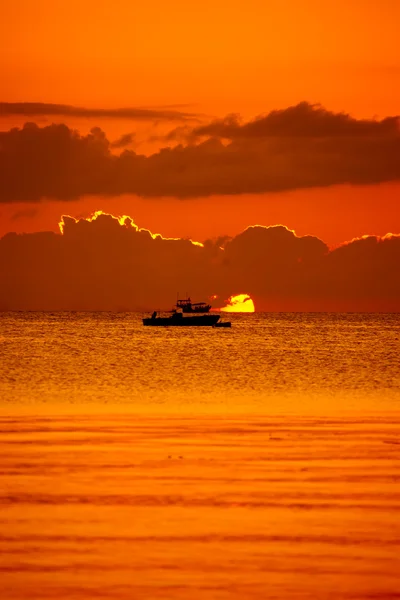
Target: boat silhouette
[(178, 320)]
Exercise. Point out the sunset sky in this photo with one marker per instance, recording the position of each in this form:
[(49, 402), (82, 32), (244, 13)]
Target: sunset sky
[(209, 118)]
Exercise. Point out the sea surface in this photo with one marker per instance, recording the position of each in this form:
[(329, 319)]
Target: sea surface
[(261, 461)]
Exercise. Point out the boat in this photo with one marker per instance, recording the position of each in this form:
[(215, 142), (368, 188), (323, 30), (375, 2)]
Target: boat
[(187, 306), (178, 320)]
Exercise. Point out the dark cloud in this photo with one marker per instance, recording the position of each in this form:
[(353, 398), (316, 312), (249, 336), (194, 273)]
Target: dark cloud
[(307, 147), (108, 264), (301, 121), (127, 139), (35, 109)]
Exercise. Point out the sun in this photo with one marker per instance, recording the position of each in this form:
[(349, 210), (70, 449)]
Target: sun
[(240, 303)]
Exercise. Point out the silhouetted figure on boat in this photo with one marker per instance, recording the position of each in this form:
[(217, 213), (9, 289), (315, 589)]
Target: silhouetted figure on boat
[(153, 316)]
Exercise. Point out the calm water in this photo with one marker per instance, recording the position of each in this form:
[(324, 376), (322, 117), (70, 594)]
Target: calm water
[(265, 363), (257, 462)]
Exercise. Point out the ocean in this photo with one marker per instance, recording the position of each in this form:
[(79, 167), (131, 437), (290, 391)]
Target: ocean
[(261, 461)]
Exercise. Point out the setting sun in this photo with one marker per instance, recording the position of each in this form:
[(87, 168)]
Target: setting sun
[(239, 303)]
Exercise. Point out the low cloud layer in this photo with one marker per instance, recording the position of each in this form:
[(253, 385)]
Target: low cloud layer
[(300, 147), (36, 109), (301, 121), (105, 263)]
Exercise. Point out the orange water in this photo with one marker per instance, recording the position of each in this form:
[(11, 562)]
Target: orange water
[(257, 462)]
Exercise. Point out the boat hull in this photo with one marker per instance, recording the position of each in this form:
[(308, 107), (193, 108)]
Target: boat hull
[(203, 321)]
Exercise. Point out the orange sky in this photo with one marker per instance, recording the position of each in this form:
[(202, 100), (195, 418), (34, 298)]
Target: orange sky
[(212, 58), (221, 56)]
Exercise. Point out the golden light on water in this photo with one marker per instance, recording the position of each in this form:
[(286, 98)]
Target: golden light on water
[(239, 303)]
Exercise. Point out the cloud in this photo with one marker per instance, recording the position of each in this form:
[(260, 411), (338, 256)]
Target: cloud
[(300, 147), (127, 139), (301, 121), (36, 109), (108, 263)]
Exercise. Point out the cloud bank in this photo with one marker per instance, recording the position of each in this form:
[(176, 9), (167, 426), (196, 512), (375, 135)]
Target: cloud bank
[(36, 109), (108, 263), (300, 147), (301, 121)]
